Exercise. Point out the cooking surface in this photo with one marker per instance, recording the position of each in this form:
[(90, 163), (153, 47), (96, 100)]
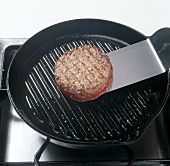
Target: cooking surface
[(19, 143)]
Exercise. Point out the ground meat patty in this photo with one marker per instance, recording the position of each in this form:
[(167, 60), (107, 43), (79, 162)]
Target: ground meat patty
[(83, 73)]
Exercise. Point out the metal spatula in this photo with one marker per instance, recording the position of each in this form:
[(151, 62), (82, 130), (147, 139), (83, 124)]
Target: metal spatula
[(135, 63)]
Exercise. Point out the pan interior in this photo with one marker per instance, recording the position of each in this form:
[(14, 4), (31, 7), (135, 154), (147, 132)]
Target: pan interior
[(115, 117)]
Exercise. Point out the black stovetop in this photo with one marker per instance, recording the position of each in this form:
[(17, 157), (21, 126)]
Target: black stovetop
[(19, 143)]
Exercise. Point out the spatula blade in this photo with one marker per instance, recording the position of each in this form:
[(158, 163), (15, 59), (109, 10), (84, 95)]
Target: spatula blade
[(133, 64)]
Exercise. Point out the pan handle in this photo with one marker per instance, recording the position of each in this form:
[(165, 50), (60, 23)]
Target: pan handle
[(161, 42), (40, 151)]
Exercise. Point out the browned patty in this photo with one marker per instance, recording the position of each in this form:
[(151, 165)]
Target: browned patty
[(83, 73)]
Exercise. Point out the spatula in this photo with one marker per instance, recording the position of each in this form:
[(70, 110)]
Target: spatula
[(135, 63)]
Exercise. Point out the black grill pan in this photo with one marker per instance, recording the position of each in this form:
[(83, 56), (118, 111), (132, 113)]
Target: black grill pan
[(118, 117)]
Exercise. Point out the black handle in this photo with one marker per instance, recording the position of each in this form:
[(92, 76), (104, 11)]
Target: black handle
[(161, 42)]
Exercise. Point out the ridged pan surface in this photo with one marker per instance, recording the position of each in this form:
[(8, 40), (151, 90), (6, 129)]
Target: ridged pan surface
[(117, 117)]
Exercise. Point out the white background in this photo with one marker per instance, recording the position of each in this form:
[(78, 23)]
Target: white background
[(24, 18)]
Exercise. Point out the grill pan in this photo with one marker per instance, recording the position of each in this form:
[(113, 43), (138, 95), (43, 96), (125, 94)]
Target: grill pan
[(118, 117)]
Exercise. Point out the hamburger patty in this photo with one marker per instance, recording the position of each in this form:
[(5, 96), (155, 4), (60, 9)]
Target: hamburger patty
[(83, 73)]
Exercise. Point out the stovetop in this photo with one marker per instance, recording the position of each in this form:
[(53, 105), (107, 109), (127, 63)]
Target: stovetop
[(19, 143)]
